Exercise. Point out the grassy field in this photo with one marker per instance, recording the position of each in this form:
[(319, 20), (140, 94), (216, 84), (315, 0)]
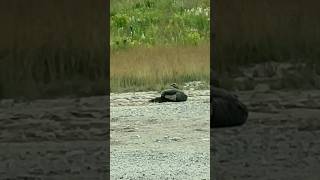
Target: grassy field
[(46, 50), (152, 22), (252, 31), (154, 43), (144, 68)]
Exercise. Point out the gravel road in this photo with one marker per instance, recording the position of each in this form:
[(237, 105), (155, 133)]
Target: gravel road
[(160, 140)]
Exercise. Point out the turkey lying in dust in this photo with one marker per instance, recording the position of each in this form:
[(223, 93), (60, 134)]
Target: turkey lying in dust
[(174, 94), (227, 109)]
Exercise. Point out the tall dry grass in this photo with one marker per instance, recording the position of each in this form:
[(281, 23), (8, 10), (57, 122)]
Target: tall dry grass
[(52, 48), (154, 68), (254, 31)]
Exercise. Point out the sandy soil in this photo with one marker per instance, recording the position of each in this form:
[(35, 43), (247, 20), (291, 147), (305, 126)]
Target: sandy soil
[(160, 140), (54, 139), (280, 141)]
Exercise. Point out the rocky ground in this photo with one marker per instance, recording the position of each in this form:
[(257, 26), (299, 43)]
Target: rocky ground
[(160, 140), (169, 141)]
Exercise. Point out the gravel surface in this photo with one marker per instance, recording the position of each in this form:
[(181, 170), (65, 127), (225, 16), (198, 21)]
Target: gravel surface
[(54, 139), (160, 140), (280, 140)]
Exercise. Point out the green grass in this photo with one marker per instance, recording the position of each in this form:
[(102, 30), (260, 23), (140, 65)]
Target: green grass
[(155, 43), (152, 22)]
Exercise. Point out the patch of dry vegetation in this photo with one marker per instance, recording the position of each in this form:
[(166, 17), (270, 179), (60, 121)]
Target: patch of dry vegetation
[(47, 50), (153, 68), (253, 31)]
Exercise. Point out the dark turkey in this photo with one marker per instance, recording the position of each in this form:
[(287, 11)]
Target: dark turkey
[(227, 110), (174, 94)]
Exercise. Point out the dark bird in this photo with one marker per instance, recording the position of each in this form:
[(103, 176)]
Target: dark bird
[(174, 94), (227, 110)]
